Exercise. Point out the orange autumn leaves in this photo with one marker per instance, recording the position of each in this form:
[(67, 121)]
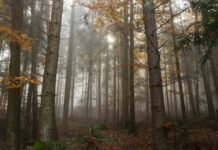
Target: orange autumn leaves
[(17, 82), (26, 43), (17, 36)]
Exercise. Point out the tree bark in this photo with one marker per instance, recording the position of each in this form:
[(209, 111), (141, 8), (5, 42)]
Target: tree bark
[(207, 88), (14, 95), (214, 64), (114, 88), (166, 86), (131, 70), (106, 86), (73, 82), (47, 125), (178, 68), (99, 87), (155, 80), (125, 70), (189, 86), (69, 72), (89, 84)]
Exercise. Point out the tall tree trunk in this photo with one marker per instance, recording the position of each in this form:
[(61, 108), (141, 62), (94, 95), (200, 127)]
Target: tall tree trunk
[(69, 71), (106, 86), (119, 98), (89, 84), (189, 86), (207, 88), (90, 95), (213, 53), (131, 70), (197, 68), (155, 80), (73, 82), (47, 13), (14, 95), (114, 87), (32, 92), (214, 64), (125, 69), (47, 125), (59, 87), (147, 91), (175, 100), (99, 87), (166, 85), (178, 68)]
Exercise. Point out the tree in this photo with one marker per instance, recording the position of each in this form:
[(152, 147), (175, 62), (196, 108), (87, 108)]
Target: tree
[(47, 125), (178, 68), (155, 80), (14, 95), (125, 69), (99, 85), (32, 91), (106, 85), (131, 74), (69, 71)]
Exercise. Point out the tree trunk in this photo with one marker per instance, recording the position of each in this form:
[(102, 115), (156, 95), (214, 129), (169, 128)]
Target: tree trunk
[(32, 92), (189, 86), (197, 69), (47, 125), (131, 74), (14, 95), (88, 88), (175, 100), (99, 88), (178, 69), (106, 85), (214, 64), (155, 80), (73, 82), (69, 72), (166, 85), (114, 88), (207, 88), (125, 70), (47, 13)]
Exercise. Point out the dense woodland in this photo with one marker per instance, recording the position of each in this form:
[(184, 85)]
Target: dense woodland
[(108, 74)]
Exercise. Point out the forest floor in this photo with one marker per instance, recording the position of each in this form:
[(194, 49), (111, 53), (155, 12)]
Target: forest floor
[(188, 135)]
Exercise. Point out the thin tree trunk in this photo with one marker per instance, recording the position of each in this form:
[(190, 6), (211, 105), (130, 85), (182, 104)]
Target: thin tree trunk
[(178, 69), (106, 86), (73, 82), (125, 70), (32, 92), (214, 64), (207, 88), (166, 85), (69, 72), (189, 86), (175, 100), (90, 96), (47, 13), (197, 69), (131, 74), (88, 88), (99, 87), (114, 88)]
